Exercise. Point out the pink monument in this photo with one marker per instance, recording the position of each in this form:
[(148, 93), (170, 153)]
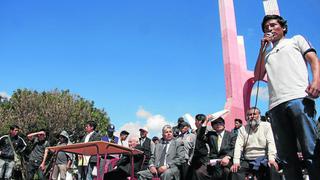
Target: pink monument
[(239, 80)]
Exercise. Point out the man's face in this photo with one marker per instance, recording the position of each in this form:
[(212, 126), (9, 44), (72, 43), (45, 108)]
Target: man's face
[(184, 129), (14, 132), (62, 139), (88, 128), (143, 134), (167, 134), (133, 142), (237, 124), (197, 123), (41, 137), (253, 114), (273, 26), (123, 137), (218, 126)]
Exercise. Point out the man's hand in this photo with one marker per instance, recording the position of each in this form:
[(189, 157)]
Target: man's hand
[(273, 163), (225, 161), (313, 89), (42, 166), (162, 169), (235, 167), (153, 170)]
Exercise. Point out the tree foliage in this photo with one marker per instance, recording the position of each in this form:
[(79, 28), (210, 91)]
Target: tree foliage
[(53, 111)]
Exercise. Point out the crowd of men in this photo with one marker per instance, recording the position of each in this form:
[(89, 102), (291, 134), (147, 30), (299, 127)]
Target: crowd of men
[(289, 142), (203, 153)]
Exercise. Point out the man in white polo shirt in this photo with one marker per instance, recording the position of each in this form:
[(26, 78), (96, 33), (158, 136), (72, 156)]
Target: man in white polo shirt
[(291, 104)]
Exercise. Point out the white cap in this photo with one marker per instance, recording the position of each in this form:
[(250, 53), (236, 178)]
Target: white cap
[(216, 115)]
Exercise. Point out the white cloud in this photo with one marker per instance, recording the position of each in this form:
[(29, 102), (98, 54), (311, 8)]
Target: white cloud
[(153, 123), (142, 113), (263, 93), (189, 118), (5, 95)]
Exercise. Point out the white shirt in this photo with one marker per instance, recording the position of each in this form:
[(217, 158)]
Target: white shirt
[(287, 70)]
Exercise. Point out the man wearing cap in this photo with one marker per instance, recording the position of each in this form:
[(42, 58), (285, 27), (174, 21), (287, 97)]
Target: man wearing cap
[(110, 137), (188, 140), (221, 143), (147, 145), (123, 137), (255, 143), (62, 161), (176, 129), (155, 140)]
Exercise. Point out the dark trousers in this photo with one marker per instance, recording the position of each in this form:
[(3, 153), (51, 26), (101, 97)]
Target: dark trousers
[(292, 121), (264, 173), (184, 169), (32, 169), (198, 171), (118, 174), (220, 172)]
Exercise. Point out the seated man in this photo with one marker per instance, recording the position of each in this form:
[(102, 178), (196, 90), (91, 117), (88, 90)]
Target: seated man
[(123, 167), (221, 143), (164, 162), (255, 143)]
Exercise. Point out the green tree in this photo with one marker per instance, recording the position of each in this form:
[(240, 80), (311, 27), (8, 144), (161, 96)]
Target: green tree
[(54, 111)]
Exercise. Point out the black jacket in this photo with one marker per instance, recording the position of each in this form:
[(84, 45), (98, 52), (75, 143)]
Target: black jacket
[(146, 148), (5, 148), (200, 155), (227, 144), (94, 137), (125, 162)]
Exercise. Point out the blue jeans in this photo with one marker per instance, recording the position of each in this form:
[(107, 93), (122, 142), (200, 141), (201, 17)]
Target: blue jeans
[(293, 124), (6, 167)]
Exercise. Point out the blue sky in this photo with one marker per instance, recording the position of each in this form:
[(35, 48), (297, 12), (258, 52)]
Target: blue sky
[(145, 62)]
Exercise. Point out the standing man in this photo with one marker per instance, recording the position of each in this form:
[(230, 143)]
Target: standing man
[(168, 155), (237, 126), (147, 145), (256, 148), (200, 159), (39, 144), (62, 161), (123, 138), (7, 153), (90, 161), (110, 137), (291, 104), (176, 129)]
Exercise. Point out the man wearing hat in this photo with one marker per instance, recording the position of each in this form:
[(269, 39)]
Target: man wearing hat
[(155, 140), (147, 146), (110, 137), (221, 143), (188, 140), (62, 161)]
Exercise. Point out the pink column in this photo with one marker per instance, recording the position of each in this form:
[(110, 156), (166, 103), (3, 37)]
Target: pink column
[(235, 67)]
